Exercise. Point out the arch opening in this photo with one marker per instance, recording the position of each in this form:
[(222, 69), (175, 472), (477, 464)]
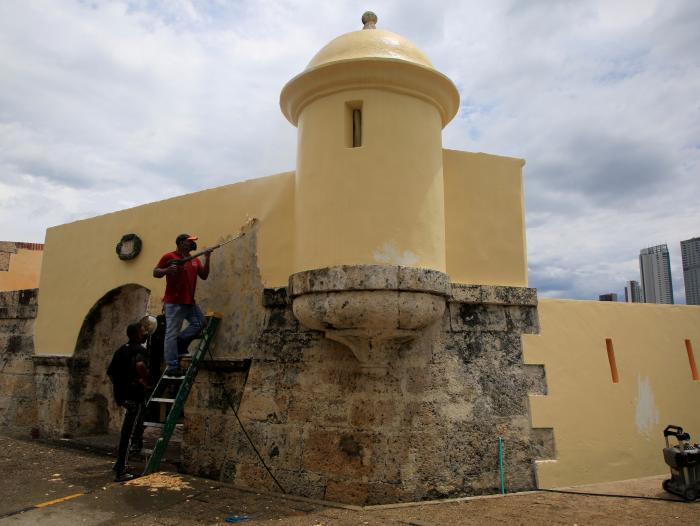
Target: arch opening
[(90, 407)]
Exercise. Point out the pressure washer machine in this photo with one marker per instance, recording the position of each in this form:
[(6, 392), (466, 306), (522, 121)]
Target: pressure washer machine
[(684, 461)]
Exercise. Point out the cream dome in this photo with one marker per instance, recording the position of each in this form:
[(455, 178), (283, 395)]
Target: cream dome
[(370, 58), (369, 44)]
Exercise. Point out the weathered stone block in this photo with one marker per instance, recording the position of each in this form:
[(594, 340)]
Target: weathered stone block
[(347, 492), (275, 298), (468, 317), (300, 482), (535, 378), (265, 408), (493, 295), (383, 492), (253, 475), (522, 319), (508, 296), (333, 453), (373, 414), (415, 309), (423, 280), (343, 278), (465, 293), (543, 445)]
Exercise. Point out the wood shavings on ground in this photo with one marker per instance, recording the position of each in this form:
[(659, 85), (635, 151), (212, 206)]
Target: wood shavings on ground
[(156, 481)]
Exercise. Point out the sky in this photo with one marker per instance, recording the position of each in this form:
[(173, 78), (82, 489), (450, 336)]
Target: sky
[(109, 105)]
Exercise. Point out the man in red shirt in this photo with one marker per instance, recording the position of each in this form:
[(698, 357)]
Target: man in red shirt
[(181, 281)]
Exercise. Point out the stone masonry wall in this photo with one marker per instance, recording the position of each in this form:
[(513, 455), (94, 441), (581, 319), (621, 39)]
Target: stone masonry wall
[(17, 395), (427, 427), (74, 394)]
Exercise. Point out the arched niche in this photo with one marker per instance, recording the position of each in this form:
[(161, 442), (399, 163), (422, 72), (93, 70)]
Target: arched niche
[(90, 405)]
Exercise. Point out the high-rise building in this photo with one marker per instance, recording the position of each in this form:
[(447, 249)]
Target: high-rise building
[(690, 253), (655, 271), (633, 292), (610, 296)]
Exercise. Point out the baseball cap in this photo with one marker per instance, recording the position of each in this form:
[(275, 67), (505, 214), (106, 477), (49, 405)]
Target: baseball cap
[(182, 237)]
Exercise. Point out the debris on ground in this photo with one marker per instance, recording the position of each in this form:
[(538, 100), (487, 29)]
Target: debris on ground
[(162, 480)]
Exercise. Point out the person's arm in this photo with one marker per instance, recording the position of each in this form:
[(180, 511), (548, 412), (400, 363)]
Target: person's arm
[(167, 271), (163, 268), (203, 270)]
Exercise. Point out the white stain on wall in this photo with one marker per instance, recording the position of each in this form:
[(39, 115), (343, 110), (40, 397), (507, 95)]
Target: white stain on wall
[(389, 254), (647, 413)]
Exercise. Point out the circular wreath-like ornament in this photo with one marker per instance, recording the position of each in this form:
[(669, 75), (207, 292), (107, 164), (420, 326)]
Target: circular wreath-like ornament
[(129, 247)]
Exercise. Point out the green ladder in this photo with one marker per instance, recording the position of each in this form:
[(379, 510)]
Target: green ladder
[(183, 391)]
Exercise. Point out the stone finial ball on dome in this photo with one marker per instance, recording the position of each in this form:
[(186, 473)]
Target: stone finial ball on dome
[(369, 20)]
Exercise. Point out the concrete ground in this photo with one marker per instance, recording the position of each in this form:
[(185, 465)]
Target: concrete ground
[(70, 482)]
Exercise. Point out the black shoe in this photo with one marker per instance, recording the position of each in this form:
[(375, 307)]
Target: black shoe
[(123, 476)]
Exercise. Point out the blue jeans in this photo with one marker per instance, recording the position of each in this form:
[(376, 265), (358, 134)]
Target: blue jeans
[(176, 342)]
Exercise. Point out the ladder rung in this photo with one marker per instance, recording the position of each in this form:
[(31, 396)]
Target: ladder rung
[(169, 377), (166, 400), (159, 424)]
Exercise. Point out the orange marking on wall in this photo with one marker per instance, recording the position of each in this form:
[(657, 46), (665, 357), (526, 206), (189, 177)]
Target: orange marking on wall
[(691, 361), (611, 360)]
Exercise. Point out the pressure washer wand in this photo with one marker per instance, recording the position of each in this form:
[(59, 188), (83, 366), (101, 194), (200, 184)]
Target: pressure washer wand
[(182, 261)]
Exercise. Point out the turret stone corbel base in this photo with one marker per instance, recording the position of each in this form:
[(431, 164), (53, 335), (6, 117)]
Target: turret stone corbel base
[(372, 309)]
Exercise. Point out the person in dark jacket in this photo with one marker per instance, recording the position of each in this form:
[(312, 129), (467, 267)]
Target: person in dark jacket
[(129, 374)]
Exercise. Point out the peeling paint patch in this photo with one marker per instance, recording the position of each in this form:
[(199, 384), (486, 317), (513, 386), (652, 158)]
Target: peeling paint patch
[(388, 253), (647, 413)]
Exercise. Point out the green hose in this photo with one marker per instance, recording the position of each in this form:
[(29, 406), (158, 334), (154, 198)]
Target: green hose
[(500, 465)]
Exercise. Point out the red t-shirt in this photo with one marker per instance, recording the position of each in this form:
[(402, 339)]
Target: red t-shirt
[(179, 288)]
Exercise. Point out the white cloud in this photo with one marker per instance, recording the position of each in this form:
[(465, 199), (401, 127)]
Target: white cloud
[(110, 104)]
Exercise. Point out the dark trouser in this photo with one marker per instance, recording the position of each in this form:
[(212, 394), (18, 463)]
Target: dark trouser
[(132, 430)]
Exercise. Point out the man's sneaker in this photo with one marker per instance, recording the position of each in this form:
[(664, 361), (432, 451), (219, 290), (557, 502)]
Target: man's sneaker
[(176, 372), (123, 476)]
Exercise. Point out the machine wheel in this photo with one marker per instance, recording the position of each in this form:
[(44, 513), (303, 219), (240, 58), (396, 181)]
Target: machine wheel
[(690, 494)]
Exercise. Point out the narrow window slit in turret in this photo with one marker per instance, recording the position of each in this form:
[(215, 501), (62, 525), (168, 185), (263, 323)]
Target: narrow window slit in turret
[(353, 112)]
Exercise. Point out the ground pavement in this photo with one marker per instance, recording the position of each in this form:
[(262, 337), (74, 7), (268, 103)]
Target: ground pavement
[(61, 484)]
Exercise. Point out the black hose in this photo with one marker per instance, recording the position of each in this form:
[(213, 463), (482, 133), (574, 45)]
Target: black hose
[(229, 400), (607, 495)]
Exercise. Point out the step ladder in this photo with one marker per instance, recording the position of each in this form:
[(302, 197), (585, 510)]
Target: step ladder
[(160, 396)]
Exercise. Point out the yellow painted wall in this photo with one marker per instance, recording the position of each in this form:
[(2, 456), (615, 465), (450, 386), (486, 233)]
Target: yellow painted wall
[(605, 431), (81, 265), (484, 219), (23, 273), (381, 203)]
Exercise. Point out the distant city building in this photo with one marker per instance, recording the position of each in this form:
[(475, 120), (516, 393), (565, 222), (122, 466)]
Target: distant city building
[(20, 265), (633, 292), (690, 253), (610, 296), (655, 271)]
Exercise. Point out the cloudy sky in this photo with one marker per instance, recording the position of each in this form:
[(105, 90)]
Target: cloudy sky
[(107, 105)]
